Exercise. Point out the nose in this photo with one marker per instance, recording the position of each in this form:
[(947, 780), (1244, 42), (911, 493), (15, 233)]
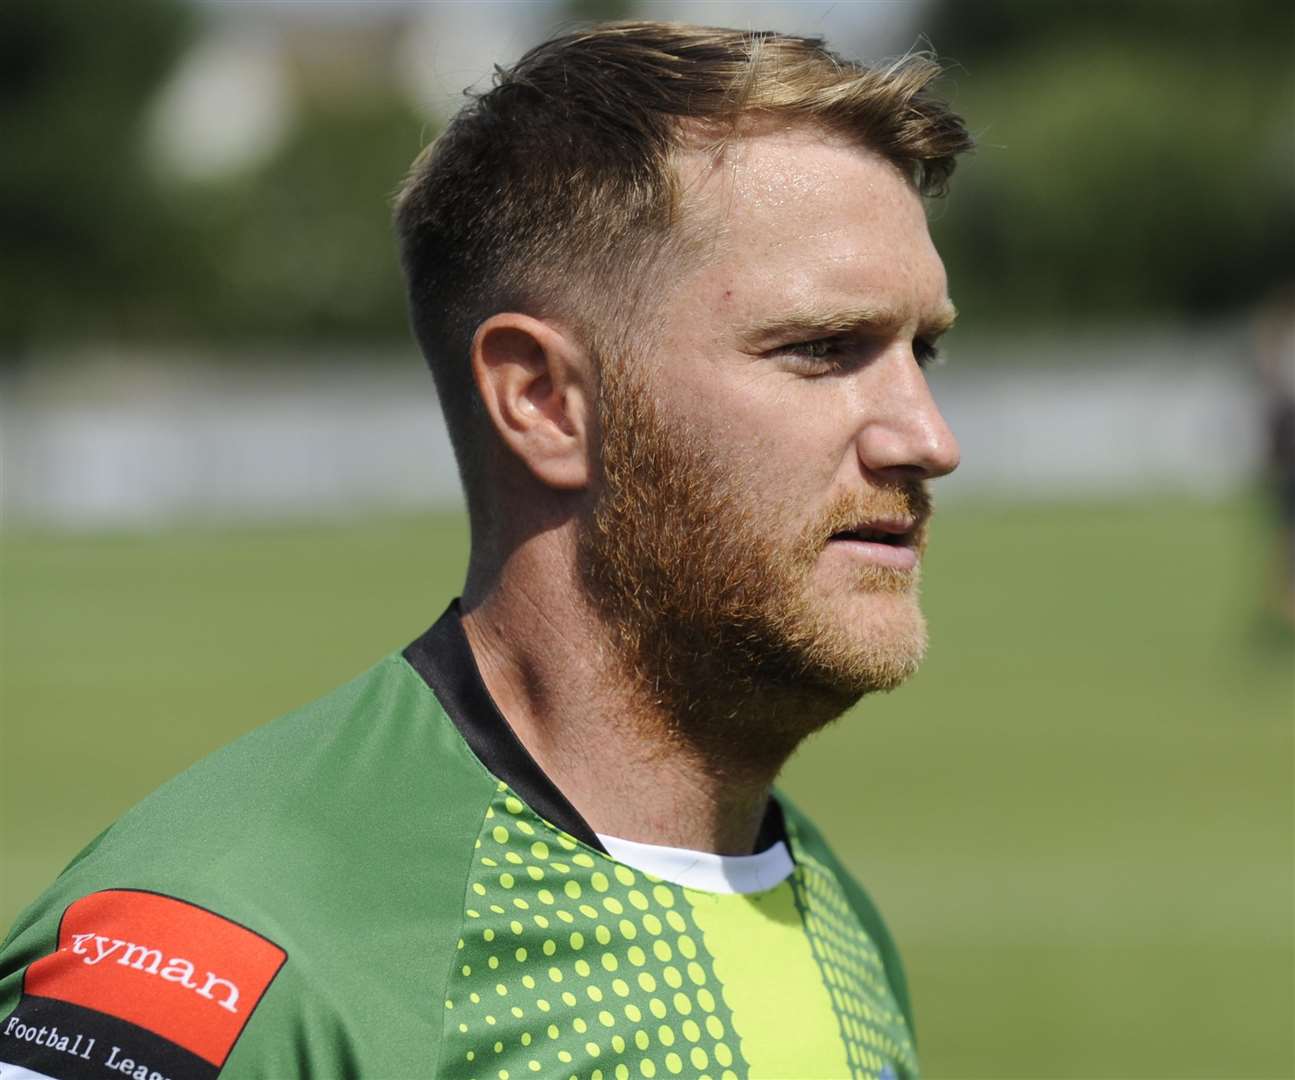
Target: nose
[(903, 435)]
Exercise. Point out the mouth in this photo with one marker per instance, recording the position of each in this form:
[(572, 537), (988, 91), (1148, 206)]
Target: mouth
[(891, 542), (894, 532)]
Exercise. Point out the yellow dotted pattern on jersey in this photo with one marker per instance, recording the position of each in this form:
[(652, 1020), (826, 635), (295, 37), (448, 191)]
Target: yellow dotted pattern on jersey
[(876, 1036), (572, 965)]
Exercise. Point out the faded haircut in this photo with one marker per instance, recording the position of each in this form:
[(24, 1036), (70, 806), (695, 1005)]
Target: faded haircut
[(555, 193)]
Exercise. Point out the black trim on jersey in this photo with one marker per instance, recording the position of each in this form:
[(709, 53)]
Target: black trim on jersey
[(443, 657), (772, 829)]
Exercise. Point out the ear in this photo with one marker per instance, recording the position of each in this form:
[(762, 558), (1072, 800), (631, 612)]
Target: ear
[(536, 384)]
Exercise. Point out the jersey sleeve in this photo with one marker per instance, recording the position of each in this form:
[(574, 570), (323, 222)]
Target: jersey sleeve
[(808, 836), (867, 913), (140, 983), (182, 980), (288, 907)]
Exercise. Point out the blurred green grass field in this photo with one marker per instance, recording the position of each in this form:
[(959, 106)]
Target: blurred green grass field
[(1078, 818)]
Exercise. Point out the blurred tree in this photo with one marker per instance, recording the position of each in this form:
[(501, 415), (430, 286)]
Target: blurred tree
[(301, 248), (99, 246), (1134, 157), (87, 243), (601, 10)]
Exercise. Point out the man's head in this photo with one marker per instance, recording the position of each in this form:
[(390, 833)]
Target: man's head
[(558, 193), (683, 209)]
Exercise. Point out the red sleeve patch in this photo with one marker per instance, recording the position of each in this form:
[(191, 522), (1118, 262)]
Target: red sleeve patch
[(171, 967)]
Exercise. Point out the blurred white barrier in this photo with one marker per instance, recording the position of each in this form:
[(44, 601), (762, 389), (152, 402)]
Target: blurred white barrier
[(123, 445), (130, 442), (1071, 433)]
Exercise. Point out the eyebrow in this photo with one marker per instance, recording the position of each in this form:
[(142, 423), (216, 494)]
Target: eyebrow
[(824, 322)]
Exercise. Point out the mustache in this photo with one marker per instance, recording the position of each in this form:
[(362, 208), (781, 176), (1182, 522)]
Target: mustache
[(910, 501)]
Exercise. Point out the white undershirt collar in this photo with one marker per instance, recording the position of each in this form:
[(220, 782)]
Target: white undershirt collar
[(704, 870)]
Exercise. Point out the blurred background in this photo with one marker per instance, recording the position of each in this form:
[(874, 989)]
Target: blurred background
[(227, 488)]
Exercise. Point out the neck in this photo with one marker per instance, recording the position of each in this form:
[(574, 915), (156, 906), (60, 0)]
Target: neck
[(629, 763)]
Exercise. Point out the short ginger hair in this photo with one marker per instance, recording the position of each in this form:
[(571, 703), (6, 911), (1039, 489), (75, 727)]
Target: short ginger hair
[(555, 193)]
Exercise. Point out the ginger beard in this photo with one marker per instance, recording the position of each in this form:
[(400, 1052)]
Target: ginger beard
[(708, 591)]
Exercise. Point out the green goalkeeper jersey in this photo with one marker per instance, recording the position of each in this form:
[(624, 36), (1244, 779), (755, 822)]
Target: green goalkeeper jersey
[(385, 884)]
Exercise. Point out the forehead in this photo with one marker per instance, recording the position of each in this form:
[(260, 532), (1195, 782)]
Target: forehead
[(796, 215)]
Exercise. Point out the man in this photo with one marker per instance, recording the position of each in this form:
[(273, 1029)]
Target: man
[(677, 292)]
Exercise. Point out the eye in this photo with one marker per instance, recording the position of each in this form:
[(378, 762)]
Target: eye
[(927, 354), (818, 350), (817, 357)]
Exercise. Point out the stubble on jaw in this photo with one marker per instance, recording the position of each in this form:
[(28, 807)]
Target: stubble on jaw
[(709, 608)]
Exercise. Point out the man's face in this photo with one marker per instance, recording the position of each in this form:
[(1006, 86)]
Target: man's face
[(760, 521)]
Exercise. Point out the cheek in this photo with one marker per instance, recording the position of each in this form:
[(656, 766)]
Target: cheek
[(782, 461), (759, 425), (798, 440), (744, 435)]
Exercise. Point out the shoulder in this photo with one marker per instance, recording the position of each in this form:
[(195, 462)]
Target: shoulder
[(291, 902), (814, 855)]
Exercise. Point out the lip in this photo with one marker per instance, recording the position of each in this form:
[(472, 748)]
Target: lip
[(894, 556), (894, 525), (900, 555)]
